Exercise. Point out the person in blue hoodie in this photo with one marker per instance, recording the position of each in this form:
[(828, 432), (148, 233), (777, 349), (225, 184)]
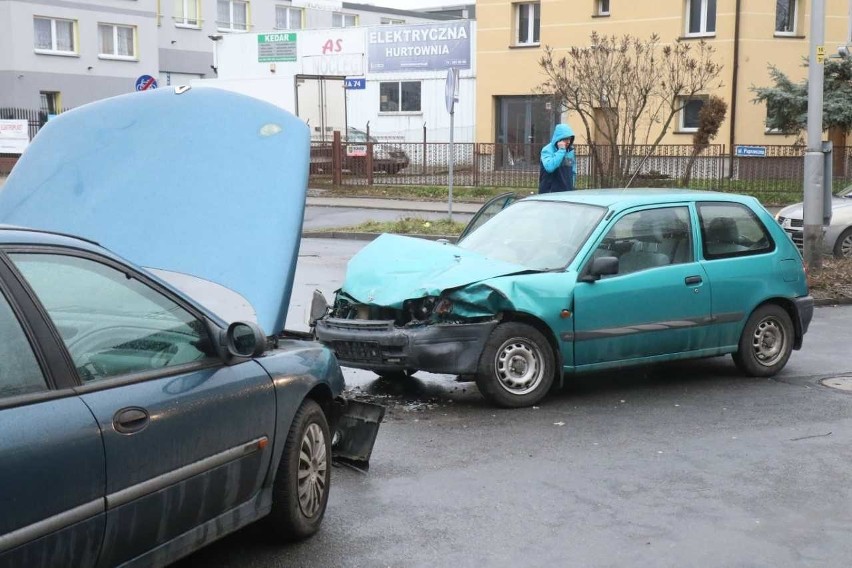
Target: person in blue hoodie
[(557, 162)]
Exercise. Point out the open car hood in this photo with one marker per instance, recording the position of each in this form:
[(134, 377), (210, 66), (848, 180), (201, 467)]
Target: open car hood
[(200, 181), (394, 268)]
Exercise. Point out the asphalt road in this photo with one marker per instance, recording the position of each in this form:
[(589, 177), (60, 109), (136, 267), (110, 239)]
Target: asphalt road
[(680, 465)]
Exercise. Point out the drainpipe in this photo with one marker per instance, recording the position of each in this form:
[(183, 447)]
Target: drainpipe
[(732, 140)]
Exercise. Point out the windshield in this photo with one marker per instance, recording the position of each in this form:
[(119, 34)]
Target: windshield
[(542, 235)]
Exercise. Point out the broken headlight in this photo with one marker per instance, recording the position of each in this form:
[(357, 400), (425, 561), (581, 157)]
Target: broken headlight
[(422, 309)]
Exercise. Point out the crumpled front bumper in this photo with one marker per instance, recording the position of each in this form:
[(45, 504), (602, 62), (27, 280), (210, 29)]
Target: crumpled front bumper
[(382, 346)]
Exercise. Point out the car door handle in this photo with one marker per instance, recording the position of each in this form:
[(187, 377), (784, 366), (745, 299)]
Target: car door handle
[(130, 420), (691, 280)]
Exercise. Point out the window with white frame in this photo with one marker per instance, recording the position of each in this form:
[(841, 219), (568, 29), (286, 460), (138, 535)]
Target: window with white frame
[(341, 20), (187, 13), (785, 17), (54, 35), (399, 96), (528, 23), (232, 16), (392, 22), (602, 7), (689, 114), (288, 18), (700, 17), (116, 41)]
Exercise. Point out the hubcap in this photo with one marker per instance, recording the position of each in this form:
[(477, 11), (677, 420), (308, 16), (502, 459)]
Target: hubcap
[(846, 247), (518, 366), (769, 341), (313, 462)]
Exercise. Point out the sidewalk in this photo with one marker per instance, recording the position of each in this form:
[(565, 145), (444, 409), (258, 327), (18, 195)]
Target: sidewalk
[(392, 204)]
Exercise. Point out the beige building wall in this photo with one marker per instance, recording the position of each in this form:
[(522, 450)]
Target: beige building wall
[(507, 69)]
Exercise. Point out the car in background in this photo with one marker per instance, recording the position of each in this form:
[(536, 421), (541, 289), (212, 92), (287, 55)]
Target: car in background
[(575, 282), (837, 239), (148, 408), (387, 158)]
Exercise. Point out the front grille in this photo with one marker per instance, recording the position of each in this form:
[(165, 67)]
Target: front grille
[(797, 223), (359, 325), (798, 238)]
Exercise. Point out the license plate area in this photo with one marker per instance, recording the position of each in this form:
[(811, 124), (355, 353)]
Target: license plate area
[(358, 351)]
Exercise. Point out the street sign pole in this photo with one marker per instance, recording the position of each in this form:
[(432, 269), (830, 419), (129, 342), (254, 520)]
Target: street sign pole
[(451, 96), (814, 166)]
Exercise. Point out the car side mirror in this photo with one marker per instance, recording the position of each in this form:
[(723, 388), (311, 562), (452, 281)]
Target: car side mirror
[(601, 266), (245, 339)]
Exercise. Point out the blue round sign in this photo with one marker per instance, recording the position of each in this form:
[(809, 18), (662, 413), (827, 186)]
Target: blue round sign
[(146, 82)]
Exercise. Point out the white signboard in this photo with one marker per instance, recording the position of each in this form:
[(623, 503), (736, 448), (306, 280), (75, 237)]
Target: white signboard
[(335, 52), (14, 136), (331, 5)]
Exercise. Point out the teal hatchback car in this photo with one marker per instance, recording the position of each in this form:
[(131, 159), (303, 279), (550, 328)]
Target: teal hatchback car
[(575, 282)]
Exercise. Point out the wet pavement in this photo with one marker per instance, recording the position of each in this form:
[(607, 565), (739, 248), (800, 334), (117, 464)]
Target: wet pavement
[(687, 464)]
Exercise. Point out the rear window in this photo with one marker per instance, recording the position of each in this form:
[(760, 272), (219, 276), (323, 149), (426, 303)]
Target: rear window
[(731, 230)]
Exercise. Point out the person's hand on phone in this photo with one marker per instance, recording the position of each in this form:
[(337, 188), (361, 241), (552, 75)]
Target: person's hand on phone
[(562, 144)]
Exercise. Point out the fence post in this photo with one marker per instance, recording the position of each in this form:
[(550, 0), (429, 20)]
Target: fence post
[(336, 160), (424, 148), (369, 161), (476, 164)]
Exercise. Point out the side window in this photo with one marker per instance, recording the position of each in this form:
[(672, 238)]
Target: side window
[(649, 238), (19, 370), (730, 230), (111, 324)]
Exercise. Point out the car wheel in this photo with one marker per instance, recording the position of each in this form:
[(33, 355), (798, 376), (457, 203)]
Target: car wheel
[(843, 246), (300, 492), (766, 342), (516, 367), (396, 375)]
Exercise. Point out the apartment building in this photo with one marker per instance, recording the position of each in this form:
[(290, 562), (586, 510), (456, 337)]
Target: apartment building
[(56, 55), (747, 34)]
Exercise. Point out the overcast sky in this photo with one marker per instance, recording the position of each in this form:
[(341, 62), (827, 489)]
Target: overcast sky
[(409, 4)]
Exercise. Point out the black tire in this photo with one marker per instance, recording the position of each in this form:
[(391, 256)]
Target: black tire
[(844, 241), (766, 342), (293, 518), (517, 366), (402, 375)]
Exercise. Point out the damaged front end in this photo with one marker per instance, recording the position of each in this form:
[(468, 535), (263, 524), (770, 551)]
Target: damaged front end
[(356, 427), (439, 334)]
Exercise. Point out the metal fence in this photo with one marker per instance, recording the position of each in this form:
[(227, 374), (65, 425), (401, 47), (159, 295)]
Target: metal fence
[(773, 178)]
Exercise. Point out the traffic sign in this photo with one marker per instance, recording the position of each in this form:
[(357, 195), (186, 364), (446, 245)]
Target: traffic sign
[(145, 83), (750, 151), (451, 89), (352, 84)]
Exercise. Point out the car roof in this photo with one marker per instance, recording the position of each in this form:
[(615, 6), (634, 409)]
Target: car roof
[(620, 198)]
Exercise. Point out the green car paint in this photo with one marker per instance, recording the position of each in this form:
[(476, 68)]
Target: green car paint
[(681, 310)]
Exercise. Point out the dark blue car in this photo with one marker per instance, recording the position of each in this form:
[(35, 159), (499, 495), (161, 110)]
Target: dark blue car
[(145, 412)]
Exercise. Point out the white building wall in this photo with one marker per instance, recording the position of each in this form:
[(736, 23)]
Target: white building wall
[(240, 71)]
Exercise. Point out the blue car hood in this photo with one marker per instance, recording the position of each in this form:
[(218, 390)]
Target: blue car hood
[(202, 182), (393, 269)]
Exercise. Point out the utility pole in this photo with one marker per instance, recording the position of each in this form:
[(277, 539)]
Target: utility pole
[(814, 158)]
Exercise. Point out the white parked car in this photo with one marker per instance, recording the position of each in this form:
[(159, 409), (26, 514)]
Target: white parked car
[(838, 237)]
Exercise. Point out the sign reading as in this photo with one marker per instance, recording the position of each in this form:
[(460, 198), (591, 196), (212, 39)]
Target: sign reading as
[(750, 151), (276, 47), (425, 47), (14, 136)]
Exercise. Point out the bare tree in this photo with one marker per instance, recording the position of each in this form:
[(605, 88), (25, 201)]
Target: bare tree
[(628, 91), (710, 119)]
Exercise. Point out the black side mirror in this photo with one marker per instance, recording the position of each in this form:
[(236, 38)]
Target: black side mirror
[(601, 266), (245, 339)]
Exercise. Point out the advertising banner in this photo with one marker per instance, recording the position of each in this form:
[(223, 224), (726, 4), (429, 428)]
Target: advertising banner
[(14, 136), (425, 47)]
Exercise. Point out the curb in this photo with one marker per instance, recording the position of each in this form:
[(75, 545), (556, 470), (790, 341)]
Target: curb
[(831, 302), (368, 236)]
